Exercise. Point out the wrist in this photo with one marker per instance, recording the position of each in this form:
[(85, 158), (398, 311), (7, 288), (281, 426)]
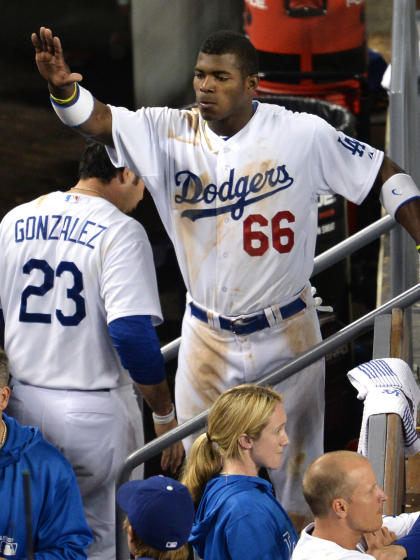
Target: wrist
[(63, 92), (66, 100), (164, 418), (75, 109)]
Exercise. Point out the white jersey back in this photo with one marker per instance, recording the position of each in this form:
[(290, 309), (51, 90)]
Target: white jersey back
[(242, 213), (69, 265)]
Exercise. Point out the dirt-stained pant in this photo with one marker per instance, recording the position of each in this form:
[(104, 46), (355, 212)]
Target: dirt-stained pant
[(210, 361)]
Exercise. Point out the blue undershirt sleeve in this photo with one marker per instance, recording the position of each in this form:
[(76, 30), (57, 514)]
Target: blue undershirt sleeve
[(411, 542), (137, 344)]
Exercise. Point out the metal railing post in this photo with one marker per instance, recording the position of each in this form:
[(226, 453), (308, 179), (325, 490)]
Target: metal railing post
[(404, 122)]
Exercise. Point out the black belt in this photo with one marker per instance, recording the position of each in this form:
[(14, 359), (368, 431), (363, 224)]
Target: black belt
[(248, 325)]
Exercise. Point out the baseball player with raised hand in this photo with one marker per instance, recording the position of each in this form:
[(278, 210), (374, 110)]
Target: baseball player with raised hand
[(236, 183), (79, 297)]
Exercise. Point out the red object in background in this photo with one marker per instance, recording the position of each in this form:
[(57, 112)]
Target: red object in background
[(313, 48)]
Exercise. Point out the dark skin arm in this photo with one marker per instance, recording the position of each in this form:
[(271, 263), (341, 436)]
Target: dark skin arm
[(409, 214), (159, 399), (53, 68)]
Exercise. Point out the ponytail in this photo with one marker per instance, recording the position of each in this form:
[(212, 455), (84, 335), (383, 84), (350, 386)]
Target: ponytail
[(204, 461)]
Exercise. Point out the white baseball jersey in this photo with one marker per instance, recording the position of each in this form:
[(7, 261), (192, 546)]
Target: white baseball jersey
[(242, 213), (309, 547), (69, 265)]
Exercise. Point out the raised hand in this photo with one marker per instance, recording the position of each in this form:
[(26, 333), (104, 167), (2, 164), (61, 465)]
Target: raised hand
[(51, 64)]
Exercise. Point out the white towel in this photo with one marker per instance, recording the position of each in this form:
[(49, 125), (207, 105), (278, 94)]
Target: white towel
[(387, 385)]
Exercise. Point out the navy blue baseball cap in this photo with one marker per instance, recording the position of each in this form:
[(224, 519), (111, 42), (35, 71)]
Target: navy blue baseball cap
[(159, 509)]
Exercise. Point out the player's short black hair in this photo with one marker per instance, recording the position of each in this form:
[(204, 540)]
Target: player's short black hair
[(226, 41), (95, 162)]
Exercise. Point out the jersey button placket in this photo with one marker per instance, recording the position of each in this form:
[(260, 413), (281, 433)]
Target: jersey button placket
[(223, 169)]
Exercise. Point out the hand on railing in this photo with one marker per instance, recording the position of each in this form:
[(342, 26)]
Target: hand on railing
[(172, 456)]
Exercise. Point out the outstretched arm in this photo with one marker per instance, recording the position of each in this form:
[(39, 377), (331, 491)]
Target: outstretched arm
[(408, 213), (61, 80)]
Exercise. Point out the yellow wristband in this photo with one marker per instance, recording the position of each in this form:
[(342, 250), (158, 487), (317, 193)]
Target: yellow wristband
[(64, 101), (418, 247)]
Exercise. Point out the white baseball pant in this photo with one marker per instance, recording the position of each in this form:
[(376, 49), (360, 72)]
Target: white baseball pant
[(96, 431), (210, 361)]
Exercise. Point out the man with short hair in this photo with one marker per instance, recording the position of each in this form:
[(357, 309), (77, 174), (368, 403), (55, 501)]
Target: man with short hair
[(341, 490), (80, 301), (236, 183), (58, 524)]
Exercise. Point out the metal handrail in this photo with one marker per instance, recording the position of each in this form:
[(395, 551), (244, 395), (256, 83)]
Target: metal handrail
[(404, 129), (322, 261), (346, 334)]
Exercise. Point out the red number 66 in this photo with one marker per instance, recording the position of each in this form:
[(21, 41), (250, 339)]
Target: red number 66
[(256, 242)]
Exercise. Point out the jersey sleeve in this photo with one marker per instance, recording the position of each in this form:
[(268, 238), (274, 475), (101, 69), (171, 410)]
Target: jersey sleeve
[(343, 165), (128, 280), (137, 344), (136, 136), (402, 524)]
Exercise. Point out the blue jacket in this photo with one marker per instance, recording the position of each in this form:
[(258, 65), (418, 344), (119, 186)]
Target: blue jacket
[(59, 527), (239, 517)]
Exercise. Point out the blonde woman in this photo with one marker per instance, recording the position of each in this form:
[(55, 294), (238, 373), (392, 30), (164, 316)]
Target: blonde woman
[(238, 515)]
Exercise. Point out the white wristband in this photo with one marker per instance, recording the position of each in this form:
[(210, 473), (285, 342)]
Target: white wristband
[(77, 112), (157, 419), (397, 191)]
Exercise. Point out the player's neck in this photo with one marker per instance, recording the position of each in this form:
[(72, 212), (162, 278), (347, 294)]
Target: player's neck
[(90, 187), (233, 123)]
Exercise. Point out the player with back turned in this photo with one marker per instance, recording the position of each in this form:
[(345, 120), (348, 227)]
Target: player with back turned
[(79, 297), (236, 184)]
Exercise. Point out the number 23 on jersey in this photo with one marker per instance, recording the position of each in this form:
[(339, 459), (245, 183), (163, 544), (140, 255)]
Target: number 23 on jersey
[(49, 278)]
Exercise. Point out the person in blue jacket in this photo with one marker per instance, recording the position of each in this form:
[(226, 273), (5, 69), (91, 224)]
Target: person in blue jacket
[(238, 515), (58, 525)]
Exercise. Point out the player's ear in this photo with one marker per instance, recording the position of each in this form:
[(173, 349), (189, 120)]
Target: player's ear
[(123, 175), (252, 83)]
